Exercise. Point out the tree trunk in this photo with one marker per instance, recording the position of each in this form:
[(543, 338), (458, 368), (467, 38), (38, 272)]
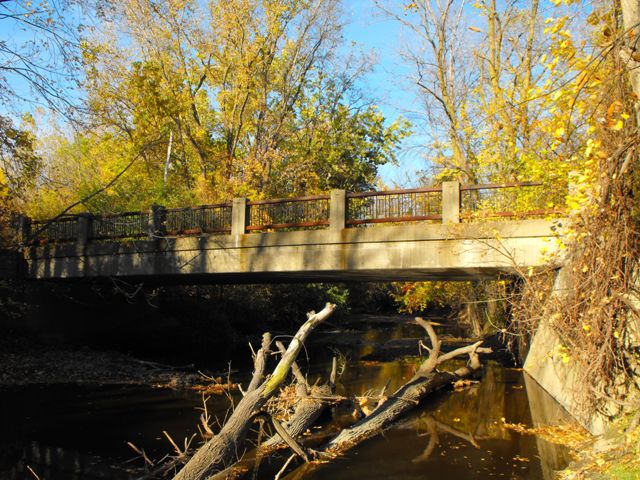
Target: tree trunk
[(404, 399), (312, 401), (226, 447), (426, 381)]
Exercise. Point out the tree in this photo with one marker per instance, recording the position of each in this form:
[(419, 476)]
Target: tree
[(249, 93), (19, 164), (445, 80), (487, 77), (39, 55)]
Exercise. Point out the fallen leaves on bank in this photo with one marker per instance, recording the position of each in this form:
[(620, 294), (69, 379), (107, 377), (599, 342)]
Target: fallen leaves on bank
[(572, 436)]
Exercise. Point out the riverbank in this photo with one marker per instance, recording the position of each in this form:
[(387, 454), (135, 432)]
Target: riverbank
[(26, 360), (23, 362), (613, 456)]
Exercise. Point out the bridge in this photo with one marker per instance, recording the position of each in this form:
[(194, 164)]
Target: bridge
[(452, 232)]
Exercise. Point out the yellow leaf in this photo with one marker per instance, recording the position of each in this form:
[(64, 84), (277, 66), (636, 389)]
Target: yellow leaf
[(618, 126), (559, 132)]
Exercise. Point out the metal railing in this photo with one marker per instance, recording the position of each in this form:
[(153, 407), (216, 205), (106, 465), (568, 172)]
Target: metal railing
[(450, 203), (523, 199), (196, 220), (288, 213), (417, 204), (121, 225), (64, 229)]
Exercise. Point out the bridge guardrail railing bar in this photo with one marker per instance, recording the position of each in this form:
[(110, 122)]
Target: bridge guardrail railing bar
[(353, 209), (288, 213), (201, 219), (118, 225), (63, 229), (416, 204)]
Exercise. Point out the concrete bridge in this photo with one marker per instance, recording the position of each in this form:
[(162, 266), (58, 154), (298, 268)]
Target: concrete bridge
[(450, 232)]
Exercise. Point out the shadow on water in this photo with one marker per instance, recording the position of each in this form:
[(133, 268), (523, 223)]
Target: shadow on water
[(71, 432)]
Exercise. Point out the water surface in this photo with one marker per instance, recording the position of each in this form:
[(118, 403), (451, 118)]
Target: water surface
[(72, 432)]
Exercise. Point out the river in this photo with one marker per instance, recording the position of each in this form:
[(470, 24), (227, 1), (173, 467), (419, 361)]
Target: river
[(73, 432)]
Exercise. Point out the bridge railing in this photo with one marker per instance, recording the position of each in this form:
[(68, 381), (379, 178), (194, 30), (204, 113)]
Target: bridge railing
[(448, 203), (524, 199), (194, 220), (116, 226), (64, 229), (288, 213), (394, 206)]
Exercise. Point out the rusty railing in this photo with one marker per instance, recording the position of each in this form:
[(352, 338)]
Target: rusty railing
[(121, 225), (63, 229), (418, 204), (450, 202), (521, 199), (196, 220), (288, 213)]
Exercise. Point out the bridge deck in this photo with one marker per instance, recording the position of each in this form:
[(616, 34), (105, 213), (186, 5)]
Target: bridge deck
[(403, 252), (413, 234)]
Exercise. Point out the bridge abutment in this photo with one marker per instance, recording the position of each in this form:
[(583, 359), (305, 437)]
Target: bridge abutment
[(547, 365)]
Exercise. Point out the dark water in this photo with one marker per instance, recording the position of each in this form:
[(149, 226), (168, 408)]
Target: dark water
[(70, 432)]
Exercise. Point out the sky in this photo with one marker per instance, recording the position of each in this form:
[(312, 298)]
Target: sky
[(389, 82)]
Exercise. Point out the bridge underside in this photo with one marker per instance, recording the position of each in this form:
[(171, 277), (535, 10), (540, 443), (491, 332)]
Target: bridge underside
[(306, 277), (381, 253)]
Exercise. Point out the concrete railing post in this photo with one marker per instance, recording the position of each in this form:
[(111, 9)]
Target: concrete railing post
[(239, 216), (450, 202), (23, 229), (84, 228), (157, 217), (338, 210)]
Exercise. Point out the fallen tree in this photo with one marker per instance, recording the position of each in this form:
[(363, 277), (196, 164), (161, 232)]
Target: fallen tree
[(425, 381), (311, 401), (217, 457), (226, 447)]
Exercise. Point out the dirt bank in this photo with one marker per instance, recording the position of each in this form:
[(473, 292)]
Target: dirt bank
[(25, 363)]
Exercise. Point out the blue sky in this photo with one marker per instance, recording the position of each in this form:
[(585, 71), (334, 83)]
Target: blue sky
[(388, 83)]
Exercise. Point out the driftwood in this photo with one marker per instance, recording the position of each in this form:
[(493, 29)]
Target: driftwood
[(224, 449), (311, 402), (425, 381), (227, 446)]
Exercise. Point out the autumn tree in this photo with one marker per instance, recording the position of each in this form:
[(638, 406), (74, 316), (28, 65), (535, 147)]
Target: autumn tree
[(236, 98), (505, 98)]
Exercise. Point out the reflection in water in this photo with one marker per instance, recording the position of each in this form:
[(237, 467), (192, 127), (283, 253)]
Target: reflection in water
[(52, 463), (67, 432), (457, 434), (546, 411)]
